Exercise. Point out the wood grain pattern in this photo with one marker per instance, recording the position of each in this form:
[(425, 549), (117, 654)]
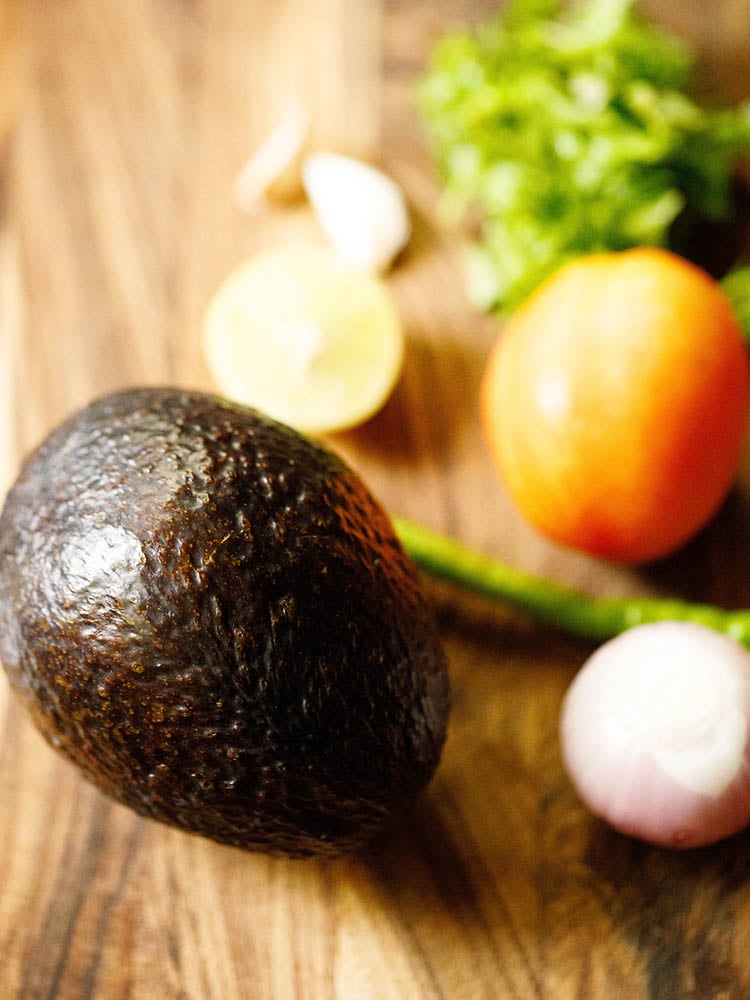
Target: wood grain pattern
[(117, 224)]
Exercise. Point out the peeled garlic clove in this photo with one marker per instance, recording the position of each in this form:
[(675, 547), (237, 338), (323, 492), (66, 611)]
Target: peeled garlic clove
[(274, 169), (362, 212)]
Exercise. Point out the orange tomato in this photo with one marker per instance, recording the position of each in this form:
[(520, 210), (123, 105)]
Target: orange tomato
[(614, 404)]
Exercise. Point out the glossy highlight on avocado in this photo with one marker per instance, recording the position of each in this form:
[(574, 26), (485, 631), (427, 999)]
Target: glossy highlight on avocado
[(212, 617)]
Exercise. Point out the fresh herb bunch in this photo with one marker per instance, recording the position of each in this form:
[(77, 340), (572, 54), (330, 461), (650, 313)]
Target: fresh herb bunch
[(736, 287), (572, 131)]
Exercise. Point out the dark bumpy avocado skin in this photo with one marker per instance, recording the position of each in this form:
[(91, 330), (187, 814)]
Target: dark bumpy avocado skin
[(212, 617)]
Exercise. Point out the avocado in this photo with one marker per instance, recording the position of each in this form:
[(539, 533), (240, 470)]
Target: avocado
[(212, 617)]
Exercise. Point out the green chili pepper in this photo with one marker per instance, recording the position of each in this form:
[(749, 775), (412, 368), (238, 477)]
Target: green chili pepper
[(571, 611)]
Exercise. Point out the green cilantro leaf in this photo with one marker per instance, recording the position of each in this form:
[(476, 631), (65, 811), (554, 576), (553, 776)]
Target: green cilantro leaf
[(736, 287), (572, 131)]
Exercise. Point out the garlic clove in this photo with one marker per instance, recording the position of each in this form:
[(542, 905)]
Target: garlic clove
[(274, 169), (361, 210)]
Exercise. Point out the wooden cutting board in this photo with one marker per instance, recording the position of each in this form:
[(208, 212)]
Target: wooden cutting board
[(118, 222)]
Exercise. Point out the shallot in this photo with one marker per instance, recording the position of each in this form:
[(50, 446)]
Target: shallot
[(655, 733)]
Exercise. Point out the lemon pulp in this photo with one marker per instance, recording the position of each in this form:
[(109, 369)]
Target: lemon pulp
[(307, 340)]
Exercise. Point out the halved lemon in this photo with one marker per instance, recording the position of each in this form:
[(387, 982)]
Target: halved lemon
[(297, 334)]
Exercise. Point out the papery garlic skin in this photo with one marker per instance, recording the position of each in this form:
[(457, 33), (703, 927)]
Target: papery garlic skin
[(361, 210), (655, 734)]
